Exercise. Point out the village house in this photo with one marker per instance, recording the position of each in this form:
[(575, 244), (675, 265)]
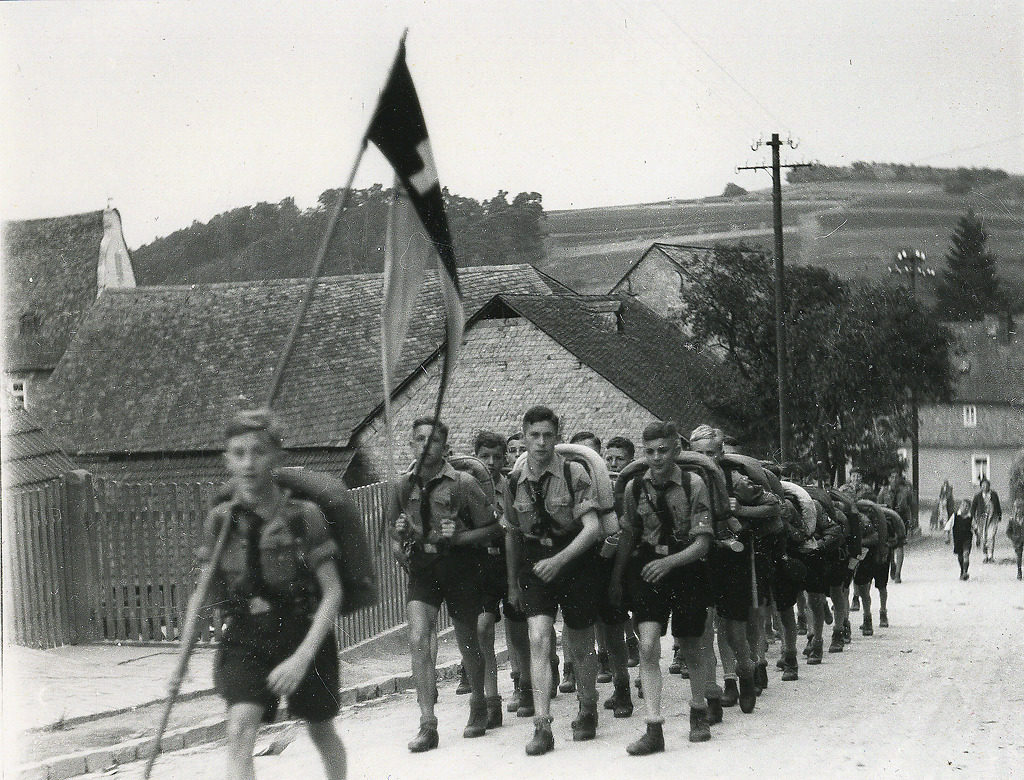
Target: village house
[(30, 455), (604, 364), (980, 433), (54, 269), (145, 387)]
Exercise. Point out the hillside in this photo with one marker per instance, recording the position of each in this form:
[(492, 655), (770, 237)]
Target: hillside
[(853, 228)]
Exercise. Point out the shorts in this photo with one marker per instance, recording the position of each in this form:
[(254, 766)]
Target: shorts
[(871, 569), (685, 594), (764, 567), (607, 613), (494, 584), (575, 590), (818, 574), (785, 590), (453, 577), (731, 580), (253, 645)]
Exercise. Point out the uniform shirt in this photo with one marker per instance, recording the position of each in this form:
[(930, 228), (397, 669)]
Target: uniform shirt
[(270, 551), (690, 518), (450, 492), (566, 513)]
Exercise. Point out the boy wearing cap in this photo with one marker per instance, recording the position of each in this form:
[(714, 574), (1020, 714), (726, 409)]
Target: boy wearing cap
[(278, 585)]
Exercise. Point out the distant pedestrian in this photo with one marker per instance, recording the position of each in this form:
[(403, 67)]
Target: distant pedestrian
[(1015, 530), (896, 495), (987, 513), (962, 537), (944, 507)]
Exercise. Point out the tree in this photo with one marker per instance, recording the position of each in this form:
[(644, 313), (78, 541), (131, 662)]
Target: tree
[(969, 286), (856, 353)]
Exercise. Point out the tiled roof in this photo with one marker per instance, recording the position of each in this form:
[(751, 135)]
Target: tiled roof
[(30, 455), (642, 354), (988, 367), (159, 368), (50, 270)]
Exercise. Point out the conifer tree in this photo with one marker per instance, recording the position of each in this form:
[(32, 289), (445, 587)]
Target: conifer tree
[(969, 287)]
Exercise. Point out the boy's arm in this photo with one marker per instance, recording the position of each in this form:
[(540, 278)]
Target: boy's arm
[(485, 525)]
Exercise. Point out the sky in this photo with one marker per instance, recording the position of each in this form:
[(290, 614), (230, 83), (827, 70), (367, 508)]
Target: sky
[(177, 111)]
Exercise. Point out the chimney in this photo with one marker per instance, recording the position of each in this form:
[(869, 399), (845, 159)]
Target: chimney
[(115, 264), (608, 312)]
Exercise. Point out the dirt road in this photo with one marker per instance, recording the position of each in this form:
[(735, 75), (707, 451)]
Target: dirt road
[(939, 694)]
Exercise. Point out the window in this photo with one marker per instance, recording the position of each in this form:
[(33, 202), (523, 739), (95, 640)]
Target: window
[(970, 416), (979, 467), (16, 387)]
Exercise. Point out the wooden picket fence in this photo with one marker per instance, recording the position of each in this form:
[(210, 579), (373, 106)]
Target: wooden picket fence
[(89, 559)]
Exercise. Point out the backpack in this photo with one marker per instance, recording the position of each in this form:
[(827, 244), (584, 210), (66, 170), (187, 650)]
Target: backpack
[(897, 528), (472, 465), (759, 475), (853, 527), (690, 462)]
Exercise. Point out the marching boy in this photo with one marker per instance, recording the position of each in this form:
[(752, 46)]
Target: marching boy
[(279, 588)]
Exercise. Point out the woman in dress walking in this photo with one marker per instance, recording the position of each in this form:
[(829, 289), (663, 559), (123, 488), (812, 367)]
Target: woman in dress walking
[(962, 536), (987, 513)]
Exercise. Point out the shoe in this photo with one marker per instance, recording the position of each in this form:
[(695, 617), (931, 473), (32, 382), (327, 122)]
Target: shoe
[(639, 688), (807, 647), (761, 675), (584, 728), (789, 671), (855, 605), (700, 728), (897, 579), (801, 626), (677, 662), (814, 657), (464, 686), (604, 671), (653, 741), (525, 703), (554, 677), (513, 705), (632, 651), (684, 672), (714, 710), (730, 694), (828, 615), (426, 738), (747, 696), (883, 619), (477, 725), (620, 702), (1019, 574), (966, 576), (780, 664), (493, 712), (568, 684), (847, 632), (837, 643), (543, 740), (866, 628)]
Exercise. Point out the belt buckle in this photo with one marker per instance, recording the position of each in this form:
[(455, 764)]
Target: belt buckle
[(547, 541), (430, 548), (661, 549), (494, 551)]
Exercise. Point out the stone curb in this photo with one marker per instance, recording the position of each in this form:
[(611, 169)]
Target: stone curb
[(211, 730)]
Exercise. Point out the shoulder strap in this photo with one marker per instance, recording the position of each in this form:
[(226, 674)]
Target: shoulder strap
[(567, 473)]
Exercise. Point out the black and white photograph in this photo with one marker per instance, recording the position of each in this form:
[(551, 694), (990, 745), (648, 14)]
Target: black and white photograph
[(583, 389)]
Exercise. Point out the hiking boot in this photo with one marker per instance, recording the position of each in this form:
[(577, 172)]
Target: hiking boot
[(847, 632), (761, 675), (801, 625), (855, 604), (730, 693), (747, 696), (677, 662), (837, 643), (632, 651), (700, 729), (604, 670), (620, 702), (865, 627), (807, 647), (714, 710), (684, 672), (781, 663), (789, 669), (513, 705), (493, 712), (828, 614), (554, 676), (585, 726), (426, 738), (653, 741), (814, 657), (543, 740), (464, 686), (568, 679), (478, 712), (525, 703), (639, 688), (883, 619)]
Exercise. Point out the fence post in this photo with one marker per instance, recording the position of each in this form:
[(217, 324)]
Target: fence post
[(82, 578)]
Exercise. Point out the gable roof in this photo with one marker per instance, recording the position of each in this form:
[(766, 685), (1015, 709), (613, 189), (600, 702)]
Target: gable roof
[(679, 255), (50, 268), (642, 354), (29, 454), (988, 366), (159, 369)]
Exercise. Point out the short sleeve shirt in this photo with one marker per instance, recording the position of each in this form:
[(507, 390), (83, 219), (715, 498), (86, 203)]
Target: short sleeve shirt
[(446, 493), (566, 508), (690, 516), (269, 552)]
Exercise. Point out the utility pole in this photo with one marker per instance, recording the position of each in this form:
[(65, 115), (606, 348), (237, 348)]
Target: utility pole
[(780, 282), (916, 260)]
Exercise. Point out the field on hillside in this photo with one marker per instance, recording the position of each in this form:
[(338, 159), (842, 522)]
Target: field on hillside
[(852, 228)]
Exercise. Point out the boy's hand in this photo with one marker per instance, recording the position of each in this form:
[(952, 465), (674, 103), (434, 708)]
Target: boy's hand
[(286, 676), (402, 523)]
